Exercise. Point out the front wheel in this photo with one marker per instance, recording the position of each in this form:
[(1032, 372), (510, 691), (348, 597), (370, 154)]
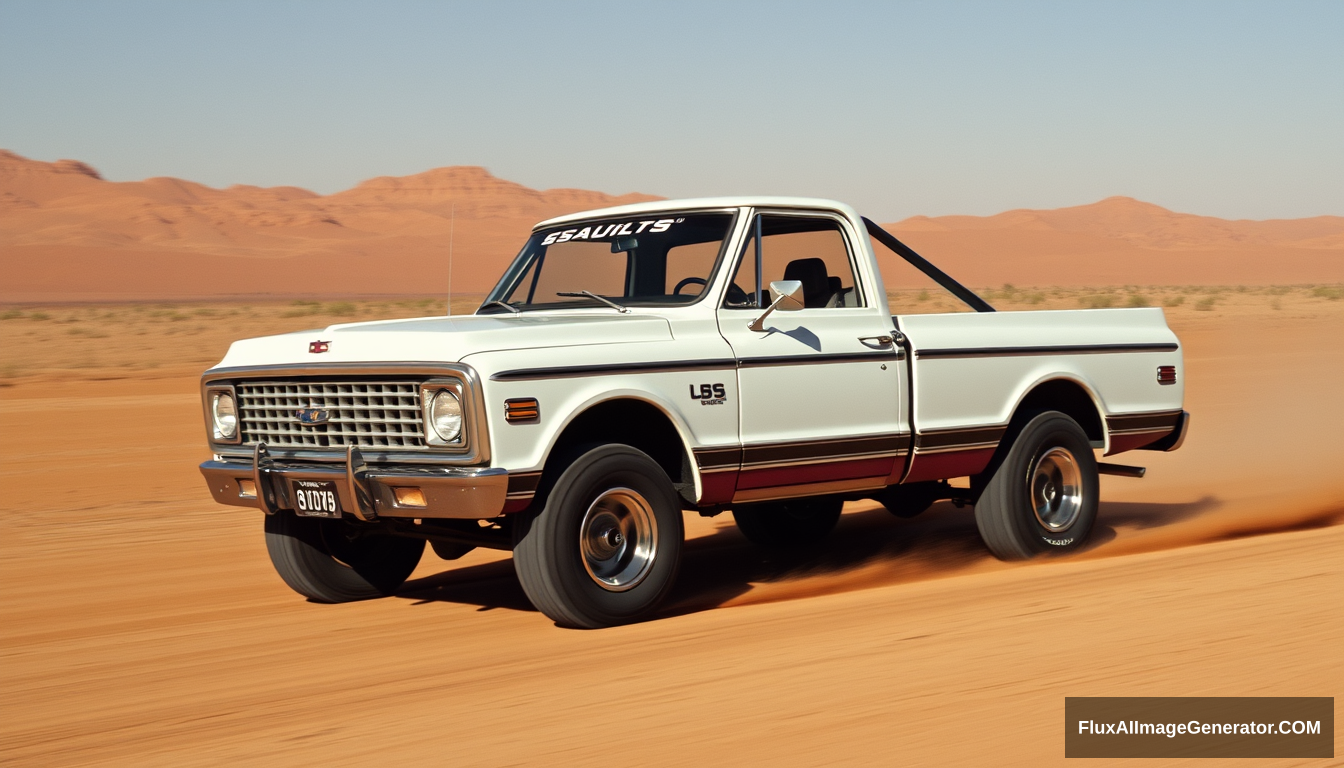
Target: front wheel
[(1043, 496), (332, 561), (605, 547)]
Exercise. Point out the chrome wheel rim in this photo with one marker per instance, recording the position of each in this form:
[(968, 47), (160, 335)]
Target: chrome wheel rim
[(618, 539), (1056, 486)]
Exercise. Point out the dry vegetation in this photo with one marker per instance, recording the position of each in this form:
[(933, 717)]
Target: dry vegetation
[(110, 341), (1177, 300), (113, 341)]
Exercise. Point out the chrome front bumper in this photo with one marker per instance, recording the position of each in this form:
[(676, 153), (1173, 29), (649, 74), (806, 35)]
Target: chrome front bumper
[(464, 493)]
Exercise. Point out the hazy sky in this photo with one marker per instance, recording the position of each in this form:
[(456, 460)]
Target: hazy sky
[(1220, 108)]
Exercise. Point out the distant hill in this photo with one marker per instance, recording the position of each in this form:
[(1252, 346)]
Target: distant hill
[(1123, 241), (68, 234)]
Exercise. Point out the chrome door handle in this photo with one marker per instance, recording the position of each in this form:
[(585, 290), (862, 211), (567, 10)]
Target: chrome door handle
[(879, 340)]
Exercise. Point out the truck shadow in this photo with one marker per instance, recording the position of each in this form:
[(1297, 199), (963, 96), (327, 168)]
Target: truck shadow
[(869, 547), (487, 585)]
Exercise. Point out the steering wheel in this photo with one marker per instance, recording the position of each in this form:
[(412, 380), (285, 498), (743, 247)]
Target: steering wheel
[(688, 281), (737, 297)]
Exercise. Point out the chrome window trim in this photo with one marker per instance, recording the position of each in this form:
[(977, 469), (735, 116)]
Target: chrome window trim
[(735, 215), (847, 235), (476, 449)]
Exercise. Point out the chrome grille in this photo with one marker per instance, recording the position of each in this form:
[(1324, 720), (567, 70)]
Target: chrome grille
[(366, 414)]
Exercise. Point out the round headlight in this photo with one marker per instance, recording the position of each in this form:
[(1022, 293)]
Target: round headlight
[(225, 415), (445, 415)]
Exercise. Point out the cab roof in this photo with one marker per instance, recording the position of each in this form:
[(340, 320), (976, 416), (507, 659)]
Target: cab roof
[(758, 201)]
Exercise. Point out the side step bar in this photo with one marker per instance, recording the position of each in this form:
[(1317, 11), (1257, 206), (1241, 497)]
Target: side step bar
[(1122, 470)]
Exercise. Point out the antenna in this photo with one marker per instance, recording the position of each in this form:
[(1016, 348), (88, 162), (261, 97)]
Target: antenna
[(452, 227)]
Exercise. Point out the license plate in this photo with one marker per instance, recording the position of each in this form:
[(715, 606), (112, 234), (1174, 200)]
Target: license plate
[(316, 498)]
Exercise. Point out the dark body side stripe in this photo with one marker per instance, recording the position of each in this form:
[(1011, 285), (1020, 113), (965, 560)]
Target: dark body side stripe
[(1135, 430), (673, 366), (1063, 349)]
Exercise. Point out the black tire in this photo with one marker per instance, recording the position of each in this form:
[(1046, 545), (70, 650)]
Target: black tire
[(573, 557), (329, 561), (1015, 527), (788, 524)]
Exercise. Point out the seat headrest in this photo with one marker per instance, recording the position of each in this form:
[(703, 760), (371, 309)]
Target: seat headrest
[(815, 279)]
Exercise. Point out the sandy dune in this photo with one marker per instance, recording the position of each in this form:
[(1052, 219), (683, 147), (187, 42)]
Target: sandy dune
[(1112, 241), (66, 234), (143, 624)]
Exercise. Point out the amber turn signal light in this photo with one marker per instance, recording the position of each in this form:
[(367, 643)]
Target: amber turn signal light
[(409, 497), (522, 410)]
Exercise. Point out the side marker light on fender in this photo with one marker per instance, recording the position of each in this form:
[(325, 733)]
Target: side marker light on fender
[(522, 410)]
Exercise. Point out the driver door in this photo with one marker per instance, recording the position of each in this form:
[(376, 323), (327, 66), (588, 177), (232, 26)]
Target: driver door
[(819, 406)]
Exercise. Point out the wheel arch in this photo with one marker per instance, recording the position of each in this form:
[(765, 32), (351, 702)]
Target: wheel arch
[(1061, 392), (632, 419), (1069, 395)]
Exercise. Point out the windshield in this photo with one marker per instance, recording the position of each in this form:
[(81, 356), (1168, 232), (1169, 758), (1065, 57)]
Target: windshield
[(651, 260)]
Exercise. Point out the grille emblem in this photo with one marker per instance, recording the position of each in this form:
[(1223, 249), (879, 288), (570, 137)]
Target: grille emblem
[(312, 416), (316, 347)]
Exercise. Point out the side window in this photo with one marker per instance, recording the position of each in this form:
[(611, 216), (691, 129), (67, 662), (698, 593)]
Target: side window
[(809, 249)]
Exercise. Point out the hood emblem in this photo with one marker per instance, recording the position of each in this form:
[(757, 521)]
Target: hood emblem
[(312, 416), (317, 347)]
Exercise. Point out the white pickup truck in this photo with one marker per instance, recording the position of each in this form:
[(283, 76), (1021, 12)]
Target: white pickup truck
[(638, 362)]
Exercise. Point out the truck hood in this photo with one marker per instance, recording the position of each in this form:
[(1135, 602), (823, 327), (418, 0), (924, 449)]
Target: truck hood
[(446, 339)]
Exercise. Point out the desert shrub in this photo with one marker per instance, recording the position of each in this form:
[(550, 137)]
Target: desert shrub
[(1097, 300), (1137, 300), (922, 297), (341, 309), (11, 314), (39, 316), (1331, 292), (302, 309), (1275, 303), (1035, 298), (1174, 301), (1206, 304)]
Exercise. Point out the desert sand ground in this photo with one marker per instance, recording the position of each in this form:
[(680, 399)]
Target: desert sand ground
[(143, 623)]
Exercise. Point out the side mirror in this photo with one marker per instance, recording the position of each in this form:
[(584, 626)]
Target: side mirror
[(788, 295)]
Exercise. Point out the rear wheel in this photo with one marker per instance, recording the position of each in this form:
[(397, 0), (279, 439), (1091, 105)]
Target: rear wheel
[(1043, 496), (605, 547), (332, 561), (788, 524)]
